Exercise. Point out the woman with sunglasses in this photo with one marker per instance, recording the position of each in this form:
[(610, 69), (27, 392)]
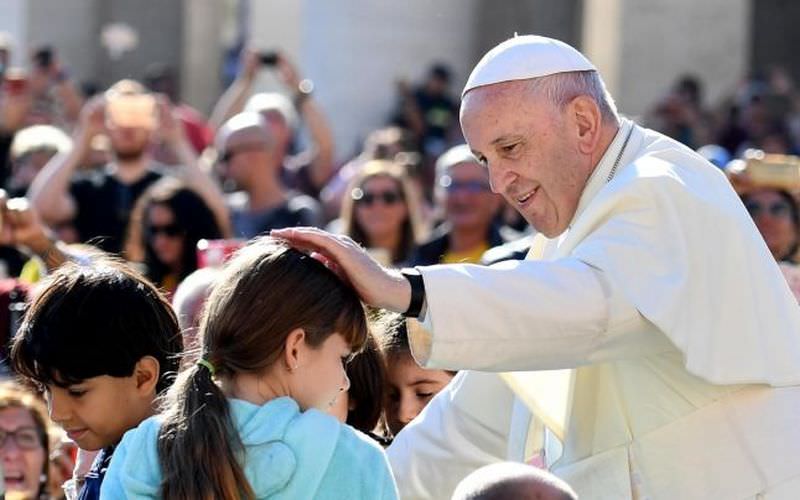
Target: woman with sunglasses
[(166, 224), (383, 212), (773, 207)]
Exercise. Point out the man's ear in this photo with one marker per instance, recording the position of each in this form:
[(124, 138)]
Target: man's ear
[(294, 348), (147, 373), (587, 118)]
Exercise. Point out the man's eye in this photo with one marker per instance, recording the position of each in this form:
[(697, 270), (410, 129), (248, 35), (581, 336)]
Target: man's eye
[(76, 393), (510, 148)]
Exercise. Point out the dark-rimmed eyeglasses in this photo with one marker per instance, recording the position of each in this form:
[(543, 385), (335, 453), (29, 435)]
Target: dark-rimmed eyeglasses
[(779, 209), (26, 438), (368, 198)]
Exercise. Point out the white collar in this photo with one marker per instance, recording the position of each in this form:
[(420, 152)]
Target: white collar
[(603, 170)]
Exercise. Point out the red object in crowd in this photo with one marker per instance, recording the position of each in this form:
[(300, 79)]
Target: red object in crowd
[(214, 253)]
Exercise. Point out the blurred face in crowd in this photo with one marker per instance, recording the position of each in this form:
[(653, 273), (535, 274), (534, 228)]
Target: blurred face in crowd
[(130, 122), (380, 207), (23, 451), (411, 388), (468, 199), (532, 150), (165, 236), (772, 214), (128, 143), (28, 165), (245, 152)]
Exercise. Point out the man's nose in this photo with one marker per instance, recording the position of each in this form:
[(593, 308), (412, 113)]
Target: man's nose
[(500, 177)]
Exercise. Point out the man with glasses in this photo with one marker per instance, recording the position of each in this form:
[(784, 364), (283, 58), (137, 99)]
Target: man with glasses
[(249, 160), (470, 208)]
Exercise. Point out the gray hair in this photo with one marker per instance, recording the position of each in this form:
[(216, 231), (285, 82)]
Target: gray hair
[(561, 88)]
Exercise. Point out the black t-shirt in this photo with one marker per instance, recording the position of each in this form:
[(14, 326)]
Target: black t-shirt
[(104, 206)]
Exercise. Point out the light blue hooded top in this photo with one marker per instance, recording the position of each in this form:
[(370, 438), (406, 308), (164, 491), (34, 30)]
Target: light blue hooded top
[(288, 455)]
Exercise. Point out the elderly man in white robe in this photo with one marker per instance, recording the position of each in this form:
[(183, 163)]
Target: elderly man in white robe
[(654, 344)]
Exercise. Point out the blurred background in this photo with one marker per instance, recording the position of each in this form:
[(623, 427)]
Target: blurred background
[(356, 50)]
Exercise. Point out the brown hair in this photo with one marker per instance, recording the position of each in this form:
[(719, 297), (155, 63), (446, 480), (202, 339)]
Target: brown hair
[(367, 374), (266, 291), (412, 227)]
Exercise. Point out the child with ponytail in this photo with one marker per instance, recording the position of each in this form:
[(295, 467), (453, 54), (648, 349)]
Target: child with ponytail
[(248, 420)]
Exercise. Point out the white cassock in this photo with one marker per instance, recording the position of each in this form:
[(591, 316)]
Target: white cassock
[(669, 340)]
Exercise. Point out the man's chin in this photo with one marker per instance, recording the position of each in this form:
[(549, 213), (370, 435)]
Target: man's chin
[(542, 227), (129, 156)]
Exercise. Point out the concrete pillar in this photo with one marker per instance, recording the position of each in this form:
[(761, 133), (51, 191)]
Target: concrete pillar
[(642, 46), (357, 50), (202, 54), (72, 28), (277, 25), (14, 24)]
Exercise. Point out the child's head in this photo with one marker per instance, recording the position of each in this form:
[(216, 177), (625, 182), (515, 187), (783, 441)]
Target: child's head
[(411, 387), (277, 318), (102, 342), (361, 406)]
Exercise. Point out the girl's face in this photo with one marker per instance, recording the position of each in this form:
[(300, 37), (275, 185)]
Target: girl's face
[(164, 236), (319, 379), (381, 208), (22, 451), (411, 387), (772, 214)]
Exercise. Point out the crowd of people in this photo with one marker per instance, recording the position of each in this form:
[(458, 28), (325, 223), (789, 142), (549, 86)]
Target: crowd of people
[(141, 288)]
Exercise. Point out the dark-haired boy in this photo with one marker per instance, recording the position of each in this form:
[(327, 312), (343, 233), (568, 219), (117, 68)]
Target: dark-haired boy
[(102, 343)]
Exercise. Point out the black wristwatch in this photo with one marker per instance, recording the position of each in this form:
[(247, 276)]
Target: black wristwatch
[(417, 292)]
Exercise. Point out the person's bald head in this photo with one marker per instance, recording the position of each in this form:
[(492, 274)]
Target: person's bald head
[(243, 128), (506, 480), (246, 148)]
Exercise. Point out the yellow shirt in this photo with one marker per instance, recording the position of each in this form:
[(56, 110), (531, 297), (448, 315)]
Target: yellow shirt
[(472, 256)]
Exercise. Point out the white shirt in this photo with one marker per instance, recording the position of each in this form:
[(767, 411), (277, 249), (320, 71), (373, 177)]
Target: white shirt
[(671, 326)]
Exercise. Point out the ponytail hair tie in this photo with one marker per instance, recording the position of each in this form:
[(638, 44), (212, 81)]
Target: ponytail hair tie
[(207, 365)]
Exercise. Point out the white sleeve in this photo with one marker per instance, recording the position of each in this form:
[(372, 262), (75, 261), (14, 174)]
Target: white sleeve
[(463, 428), (527, 315)]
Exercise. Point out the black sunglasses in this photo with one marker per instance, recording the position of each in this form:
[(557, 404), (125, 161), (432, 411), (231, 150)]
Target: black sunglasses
[(776, 209), (366, 198), (168, 230)]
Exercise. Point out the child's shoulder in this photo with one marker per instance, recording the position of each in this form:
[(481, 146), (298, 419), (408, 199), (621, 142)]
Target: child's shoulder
[(135, 466)]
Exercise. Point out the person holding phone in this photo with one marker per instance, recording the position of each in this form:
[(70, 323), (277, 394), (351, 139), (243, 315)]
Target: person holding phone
[(56, 99), (306, 171), (100, 202)]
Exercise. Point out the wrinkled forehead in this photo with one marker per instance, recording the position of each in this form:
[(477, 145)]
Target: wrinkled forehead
[(495, 93), (493, 111)]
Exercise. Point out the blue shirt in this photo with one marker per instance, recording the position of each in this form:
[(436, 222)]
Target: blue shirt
[(288, 455)]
